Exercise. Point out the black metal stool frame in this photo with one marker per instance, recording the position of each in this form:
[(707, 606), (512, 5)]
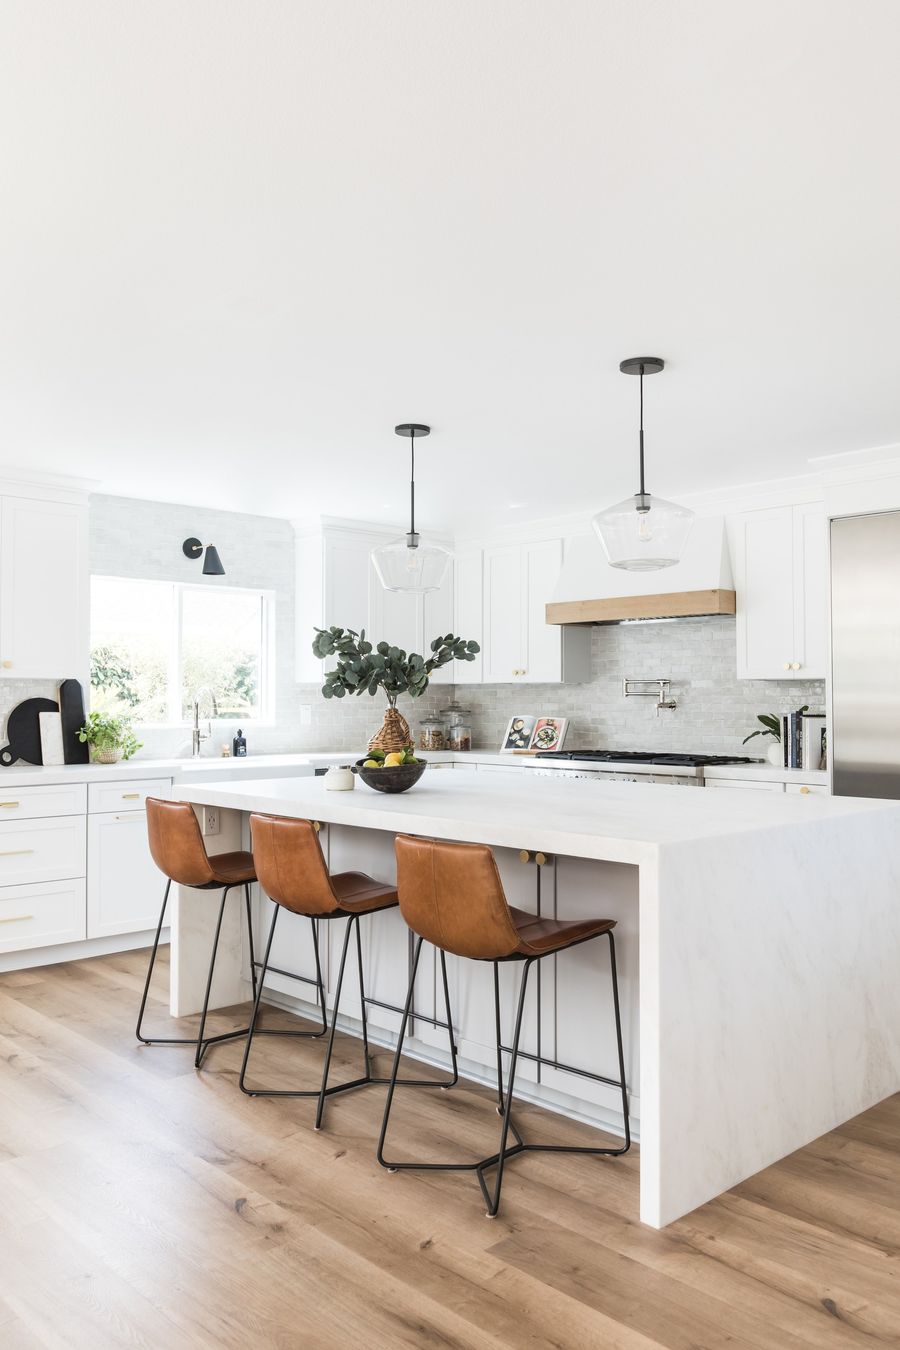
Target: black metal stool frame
[(325, 1089), (200, 1042), (504, 1107)]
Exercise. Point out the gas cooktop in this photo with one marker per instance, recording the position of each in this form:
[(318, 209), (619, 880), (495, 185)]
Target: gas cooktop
[(645, 757)]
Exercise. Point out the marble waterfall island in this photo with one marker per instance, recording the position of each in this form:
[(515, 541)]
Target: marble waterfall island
[(758, 940)]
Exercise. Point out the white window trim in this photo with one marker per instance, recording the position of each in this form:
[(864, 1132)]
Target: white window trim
[(267, 691)]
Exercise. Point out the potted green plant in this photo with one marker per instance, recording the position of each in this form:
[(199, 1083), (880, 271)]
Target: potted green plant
[(771, 726), (364, 668), (110, 738)]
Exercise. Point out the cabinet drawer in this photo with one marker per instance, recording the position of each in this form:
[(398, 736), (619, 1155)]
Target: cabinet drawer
[(42, 850), (126, 795), (29, 803), (125, 887), (754, 784), (41, 915), (809, 789)]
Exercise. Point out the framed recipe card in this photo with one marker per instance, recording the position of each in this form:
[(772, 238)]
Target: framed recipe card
[(549, 733), (519, 732)]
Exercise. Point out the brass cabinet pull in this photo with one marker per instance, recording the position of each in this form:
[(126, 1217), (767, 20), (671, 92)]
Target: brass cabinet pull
[(7, 665), (130, 796), (17, 918), (317, 825), (524, 855), (7, 805), (804, 789), (14, 852)]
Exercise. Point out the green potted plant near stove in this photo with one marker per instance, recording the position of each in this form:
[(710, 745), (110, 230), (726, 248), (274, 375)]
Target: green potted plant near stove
[(364, 668), (110, 738), (771, 726)]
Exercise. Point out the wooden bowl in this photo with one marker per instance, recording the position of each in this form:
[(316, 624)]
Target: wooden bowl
[(400, 778)]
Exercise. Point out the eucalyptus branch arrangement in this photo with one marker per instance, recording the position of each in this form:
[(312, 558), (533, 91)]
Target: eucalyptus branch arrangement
[(364, 668)]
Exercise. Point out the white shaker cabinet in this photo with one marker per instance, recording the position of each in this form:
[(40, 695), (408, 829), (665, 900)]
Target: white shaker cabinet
[(520, 647), (780, 567), (124, 885), (43, 589), (468, 612)]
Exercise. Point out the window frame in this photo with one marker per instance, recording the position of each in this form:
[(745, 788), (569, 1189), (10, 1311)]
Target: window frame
[(178, 589)]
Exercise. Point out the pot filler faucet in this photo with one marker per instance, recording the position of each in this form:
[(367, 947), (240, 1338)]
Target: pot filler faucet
[(197, 736), (662, 694)]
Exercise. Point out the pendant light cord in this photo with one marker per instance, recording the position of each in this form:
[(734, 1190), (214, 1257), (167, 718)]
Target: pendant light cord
[(412, 483), (641, 433)]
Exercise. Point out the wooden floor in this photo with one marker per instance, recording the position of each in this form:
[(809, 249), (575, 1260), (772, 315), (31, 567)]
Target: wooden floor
[(143, 1204)]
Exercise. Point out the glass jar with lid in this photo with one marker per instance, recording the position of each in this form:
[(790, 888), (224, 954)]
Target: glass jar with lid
[(461, 735), (431, 734), (451, 715)]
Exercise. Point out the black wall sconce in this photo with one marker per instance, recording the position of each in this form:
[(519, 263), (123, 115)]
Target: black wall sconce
[(212, 563)]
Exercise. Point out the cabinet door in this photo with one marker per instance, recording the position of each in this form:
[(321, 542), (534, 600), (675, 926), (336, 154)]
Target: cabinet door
[(468, 597), (43, 589), (764, 568), (437, 620), (347, 569), (810, 591), (125, 887), (504, 656), (543, 642)]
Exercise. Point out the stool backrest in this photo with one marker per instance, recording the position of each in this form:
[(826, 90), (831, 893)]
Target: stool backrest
[(290, 865), (452, 895), (176, 843)]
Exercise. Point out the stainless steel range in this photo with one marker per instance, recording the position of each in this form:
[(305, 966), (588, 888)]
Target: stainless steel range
[(632, 766)]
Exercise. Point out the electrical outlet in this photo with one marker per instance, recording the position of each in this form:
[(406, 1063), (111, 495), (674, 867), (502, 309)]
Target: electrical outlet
[(211, 822)]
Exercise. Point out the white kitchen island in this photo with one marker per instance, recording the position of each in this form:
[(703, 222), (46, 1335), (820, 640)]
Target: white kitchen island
[(758, 939)]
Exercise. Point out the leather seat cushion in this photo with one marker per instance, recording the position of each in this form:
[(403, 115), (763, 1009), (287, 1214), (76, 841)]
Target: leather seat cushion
[(232, 868), (540, 936), (360, 894)]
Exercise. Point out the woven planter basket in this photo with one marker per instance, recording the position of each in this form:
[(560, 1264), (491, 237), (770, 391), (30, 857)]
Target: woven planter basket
[(394, 733)]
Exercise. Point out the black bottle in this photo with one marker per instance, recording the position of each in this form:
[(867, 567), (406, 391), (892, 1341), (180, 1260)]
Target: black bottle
[(239, 745)]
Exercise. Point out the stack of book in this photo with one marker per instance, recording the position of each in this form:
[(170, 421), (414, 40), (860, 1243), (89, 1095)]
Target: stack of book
[(803, 740)]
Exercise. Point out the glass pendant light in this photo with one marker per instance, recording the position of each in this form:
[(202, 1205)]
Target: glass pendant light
[(643, 533), (408, 565)]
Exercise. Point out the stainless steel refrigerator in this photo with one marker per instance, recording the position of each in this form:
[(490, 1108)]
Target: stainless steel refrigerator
[(865, 655)]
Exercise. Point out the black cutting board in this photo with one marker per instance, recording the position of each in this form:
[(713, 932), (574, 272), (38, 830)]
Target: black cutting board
[(71, 711), (23, 731)]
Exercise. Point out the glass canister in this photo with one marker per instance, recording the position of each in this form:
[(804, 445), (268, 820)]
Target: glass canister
[(453, 714), (461, 735), (431, 734)]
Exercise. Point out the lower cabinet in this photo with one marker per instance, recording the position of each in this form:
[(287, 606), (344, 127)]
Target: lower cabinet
[(125, 887), (42, 914)]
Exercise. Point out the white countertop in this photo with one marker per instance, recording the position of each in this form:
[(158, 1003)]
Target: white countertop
[(620, 822)]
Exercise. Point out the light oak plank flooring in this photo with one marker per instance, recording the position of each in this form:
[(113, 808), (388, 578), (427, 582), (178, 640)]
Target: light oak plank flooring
[(145, 1205)]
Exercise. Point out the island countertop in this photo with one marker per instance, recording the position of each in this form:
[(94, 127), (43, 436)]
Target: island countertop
[(616, 822)]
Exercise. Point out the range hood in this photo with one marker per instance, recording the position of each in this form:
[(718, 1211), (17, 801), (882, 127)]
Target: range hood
[(590, 591)]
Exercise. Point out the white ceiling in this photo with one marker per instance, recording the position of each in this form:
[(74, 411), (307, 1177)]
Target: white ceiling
[(239, 241)]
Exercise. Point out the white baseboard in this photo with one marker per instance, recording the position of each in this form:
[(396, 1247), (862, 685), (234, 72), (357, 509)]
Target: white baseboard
[(78, 951)]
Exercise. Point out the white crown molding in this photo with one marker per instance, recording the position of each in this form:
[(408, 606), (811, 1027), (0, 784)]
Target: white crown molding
[(18, 482)]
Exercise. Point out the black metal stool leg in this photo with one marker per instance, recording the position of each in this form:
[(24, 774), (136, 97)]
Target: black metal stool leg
[(493, 1202), (362, 1001), (320, 986), (157, 1040), (395, 1067), (201, 1044), (250, 938), (455, 1079), (499, 1039), (320, 1107), (256, 1002), (615, 990)]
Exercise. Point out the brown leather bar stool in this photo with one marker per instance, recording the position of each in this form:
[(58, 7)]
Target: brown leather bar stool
[(292, 871), (176, 845), (451, 895)]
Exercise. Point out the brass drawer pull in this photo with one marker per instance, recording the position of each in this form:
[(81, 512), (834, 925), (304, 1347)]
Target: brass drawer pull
[(7, 805), (130, 796), (17, 918), (15, 852)]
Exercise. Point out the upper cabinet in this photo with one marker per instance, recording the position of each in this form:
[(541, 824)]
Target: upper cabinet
[(781, 571), (336, 583), (519, 646), (43, 589)]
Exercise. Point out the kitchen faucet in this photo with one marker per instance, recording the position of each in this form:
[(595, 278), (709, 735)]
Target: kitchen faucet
[(196, 734)]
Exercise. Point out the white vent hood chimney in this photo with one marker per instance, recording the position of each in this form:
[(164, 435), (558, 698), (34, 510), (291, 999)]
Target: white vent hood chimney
[(590, 591)]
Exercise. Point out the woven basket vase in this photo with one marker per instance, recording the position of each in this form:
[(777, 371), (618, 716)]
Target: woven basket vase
[(394, 733)]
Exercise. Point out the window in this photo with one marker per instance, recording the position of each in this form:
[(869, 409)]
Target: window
[(154, 643)]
